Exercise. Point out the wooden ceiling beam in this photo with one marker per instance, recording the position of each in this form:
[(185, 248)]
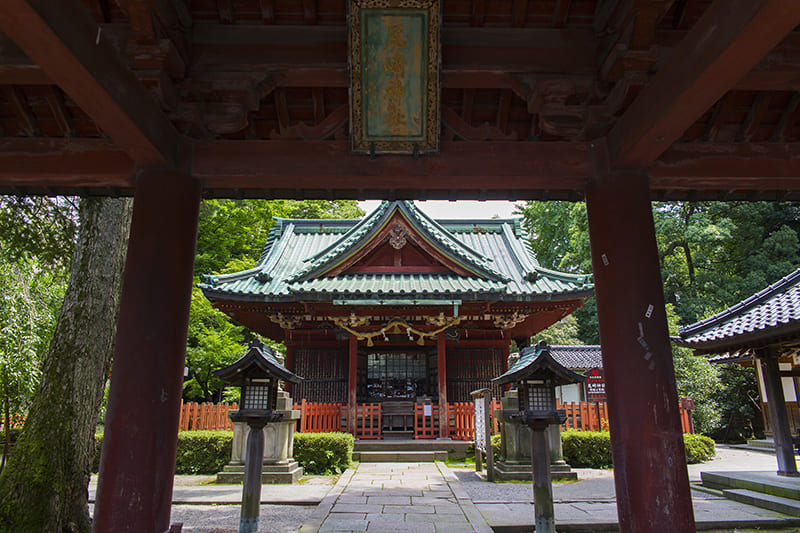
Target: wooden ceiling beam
[(25, 117), (38, 162), (261, 47), (723, 46), (727, 166), (61, 37), (461, 165)]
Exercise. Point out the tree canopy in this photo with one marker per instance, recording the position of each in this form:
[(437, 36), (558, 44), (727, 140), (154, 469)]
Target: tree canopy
[(713, 255)]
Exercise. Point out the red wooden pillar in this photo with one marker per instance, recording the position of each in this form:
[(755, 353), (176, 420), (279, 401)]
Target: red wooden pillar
[(650, 473), (352, 367), (138, 456), (504, 362), (441, 359), (289, 365)]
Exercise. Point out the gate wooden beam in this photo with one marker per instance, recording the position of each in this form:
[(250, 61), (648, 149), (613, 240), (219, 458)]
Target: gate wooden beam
[(724, 45), (61, 37)]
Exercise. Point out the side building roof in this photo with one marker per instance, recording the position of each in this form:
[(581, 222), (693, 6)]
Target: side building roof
[(300, 254), (768, 316)]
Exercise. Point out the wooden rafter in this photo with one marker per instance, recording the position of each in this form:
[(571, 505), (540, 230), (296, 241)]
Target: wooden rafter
[(754, 117), (726, 43), (56, 102), (561, 13), (310, 12), (788, 118), (719, 114), (318, 103), (520, 12), (25, 117), (478, 12), (267, 11), (66, 43)]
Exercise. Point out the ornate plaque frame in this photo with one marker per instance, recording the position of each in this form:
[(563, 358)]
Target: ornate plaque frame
[(395, 64)]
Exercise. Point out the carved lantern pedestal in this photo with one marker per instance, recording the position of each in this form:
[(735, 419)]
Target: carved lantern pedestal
[(516, 447), (279, 465)]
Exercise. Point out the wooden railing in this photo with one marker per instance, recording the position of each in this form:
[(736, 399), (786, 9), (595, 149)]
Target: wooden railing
[(320, 417), (585, 416), (368, 421), (197, 416)]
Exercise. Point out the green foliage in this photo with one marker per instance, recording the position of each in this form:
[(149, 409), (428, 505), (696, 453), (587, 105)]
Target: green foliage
[(698, 378), (203, 452), (213, 342), (323, 453), (739, 405), (231, 237), (563, 332), (713, 255), (699, 448), (497, 447), (39, 226), (587, 449), (30, 297)]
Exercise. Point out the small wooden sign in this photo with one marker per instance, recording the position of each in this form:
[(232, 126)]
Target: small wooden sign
[(395, 57)]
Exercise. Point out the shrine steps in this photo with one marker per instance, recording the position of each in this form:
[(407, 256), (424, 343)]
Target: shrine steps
[(762, 489), (408, 450)]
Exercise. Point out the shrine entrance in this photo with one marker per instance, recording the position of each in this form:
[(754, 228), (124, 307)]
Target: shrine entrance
[(398, 380)]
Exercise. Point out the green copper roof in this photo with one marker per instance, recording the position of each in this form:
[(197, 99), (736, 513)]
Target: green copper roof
[(494, 251)]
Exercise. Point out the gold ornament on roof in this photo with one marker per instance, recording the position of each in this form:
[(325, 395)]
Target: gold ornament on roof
[(352, 321), (509, 321), (397, 237), (286, 321)]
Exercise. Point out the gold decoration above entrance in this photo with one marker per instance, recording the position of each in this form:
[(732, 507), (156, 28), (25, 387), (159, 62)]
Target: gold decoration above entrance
[(395, 56), (394, 327)]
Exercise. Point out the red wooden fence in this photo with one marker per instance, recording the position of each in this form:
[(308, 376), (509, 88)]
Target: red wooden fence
[(368, 421), (319, 417), (196, 416)]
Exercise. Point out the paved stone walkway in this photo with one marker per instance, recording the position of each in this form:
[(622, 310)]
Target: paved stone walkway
[(411, 497)]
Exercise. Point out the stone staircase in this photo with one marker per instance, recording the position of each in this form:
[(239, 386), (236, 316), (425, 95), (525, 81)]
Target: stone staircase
[(762, 489), (408, 451)]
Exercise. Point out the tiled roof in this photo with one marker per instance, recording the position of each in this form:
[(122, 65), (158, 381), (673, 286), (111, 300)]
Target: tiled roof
[(536, 359), (775, 311), (494, 250), (578, 357)]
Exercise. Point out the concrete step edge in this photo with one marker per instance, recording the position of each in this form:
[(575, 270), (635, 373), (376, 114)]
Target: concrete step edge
[(765, 501)]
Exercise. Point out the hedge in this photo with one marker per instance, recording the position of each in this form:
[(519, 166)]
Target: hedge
[(699, 448), (587, 449), (592, 449), (323, 453), (207, 452)]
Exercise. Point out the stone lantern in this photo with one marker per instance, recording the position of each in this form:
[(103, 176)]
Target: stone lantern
[(537, 375), (258, 373)]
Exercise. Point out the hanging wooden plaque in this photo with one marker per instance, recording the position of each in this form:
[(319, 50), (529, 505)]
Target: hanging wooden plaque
[(395, 57)]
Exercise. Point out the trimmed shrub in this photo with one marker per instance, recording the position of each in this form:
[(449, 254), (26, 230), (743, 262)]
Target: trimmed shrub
[(199, 452), (203, 452), (699, 448), (587, 449), (323, 453), (496, 448)]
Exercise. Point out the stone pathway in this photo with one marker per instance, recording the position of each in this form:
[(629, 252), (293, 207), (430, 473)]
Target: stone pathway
[(411, 497)]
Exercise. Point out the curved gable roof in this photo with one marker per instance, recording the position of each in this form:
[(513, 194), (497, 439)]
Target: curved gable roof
[(298, 252), (770, 313)]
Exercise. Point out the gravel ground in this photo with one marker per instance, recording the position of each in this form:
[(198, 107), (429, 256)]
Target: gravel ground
[(225, 518)]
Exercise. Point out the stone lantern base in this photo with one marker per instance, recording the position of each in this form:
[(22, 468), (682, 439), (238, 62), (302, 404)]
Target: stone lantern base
[(279, 466), (516, 448)]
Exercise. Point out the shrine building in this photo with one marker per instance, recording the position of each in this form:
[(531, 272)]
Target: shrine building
[(397, 308)]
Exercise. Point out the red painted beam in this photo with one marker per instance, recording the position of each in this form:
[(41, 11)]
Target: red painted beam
[(40, 162), (728, 41), (324, 165), (61, 37), (721, 167)]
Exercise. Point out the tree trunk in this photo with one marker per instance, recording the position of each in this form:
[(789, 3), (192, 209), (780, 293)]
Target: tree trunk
[(44, 486)]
